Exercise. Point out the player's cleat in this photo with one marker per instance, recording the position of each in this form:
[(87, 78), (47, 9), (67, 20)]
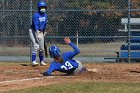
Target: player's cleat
[(83, 70), (93, 70), (43, 63), (34, 63)]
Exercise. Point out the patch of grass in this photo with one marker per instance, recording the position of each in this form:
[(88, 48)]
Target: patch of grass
[(85, 87)]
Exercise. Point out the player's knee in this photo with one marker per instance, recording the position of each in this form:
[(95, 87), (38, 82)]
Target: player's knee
[(41, 51), (36, 47)]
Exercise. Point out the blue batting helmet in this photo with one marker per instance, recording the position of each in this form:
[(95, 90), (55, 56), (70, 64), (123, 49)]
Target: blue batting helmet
[(54, 51), (42, 4)]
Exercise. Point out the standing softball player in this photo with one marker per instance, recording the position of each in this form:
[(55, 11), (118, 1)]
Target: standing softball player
[(36, 32), (64, 62)]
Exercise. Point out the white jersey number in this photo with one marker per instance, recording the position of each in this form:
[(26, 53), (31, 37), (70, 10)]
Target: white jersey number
[(67, 66)]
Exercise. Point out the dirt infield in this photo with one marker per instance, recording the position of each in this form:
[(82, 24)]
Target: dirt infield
[(14, 77)]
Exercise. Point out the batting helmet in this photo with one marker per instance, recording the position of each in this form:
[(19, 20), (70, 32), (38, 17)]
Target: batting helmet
[(42, 4), (54, 51)]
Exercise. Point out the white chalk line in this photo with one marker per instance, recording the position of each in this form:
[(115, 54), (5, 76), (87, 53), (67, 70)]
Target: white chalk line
[(13, 81), (20, 80)]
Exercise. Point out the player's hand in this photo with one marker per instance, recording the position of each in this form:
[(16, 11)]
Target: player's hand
[(45, 74), (39, 35), (67, 40), (45, 33)]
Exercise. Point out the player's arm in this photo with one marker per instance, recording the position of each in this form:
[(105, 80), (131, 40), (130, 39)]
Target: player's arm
[(45, 31), (46, 22), (36, 22), (50, 70), (76, 49)]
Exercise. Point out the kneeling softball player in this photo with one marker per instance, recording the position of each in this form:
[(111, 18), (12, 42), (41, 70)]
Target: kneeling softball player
[(64, 62)]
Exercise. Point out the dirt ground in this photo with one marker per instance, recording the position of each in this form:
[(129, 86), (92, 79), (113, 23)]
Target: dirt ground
[(14, 77)]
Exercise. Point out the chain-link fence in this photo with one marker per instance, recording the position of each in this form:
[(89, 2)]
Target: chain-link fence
[(94, 25)]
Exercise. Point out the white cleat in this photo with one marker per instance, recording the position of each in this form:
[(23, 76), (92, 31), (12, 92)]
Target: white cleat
[(43, 63), (34, 63)]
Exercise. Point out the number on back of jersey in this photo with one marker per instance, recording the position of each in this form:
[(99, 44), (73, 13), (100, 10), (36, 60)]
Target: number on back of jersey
[(67, 66)]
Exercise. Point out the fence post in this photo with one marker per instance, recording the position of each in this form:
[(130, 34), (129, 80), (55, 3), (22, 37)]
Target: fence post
[(30, 23), (77, 41), (129, 15)]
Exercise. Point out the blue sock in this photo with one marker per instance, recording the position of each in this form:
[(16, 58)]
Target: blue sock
[(34, 56), (41, 55)]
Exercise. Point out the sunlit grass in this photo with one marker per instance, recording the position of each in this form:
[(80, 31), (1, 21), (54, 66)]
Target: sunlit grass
[(85, 87)]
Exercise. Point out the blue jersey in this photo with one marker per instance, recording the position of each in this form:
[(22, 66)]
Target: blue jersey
[(68, 65), (39, 21)]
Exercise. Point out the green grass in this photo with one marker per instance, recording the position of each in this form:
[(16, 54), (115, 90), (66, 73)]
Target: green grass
[(85, 87)]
